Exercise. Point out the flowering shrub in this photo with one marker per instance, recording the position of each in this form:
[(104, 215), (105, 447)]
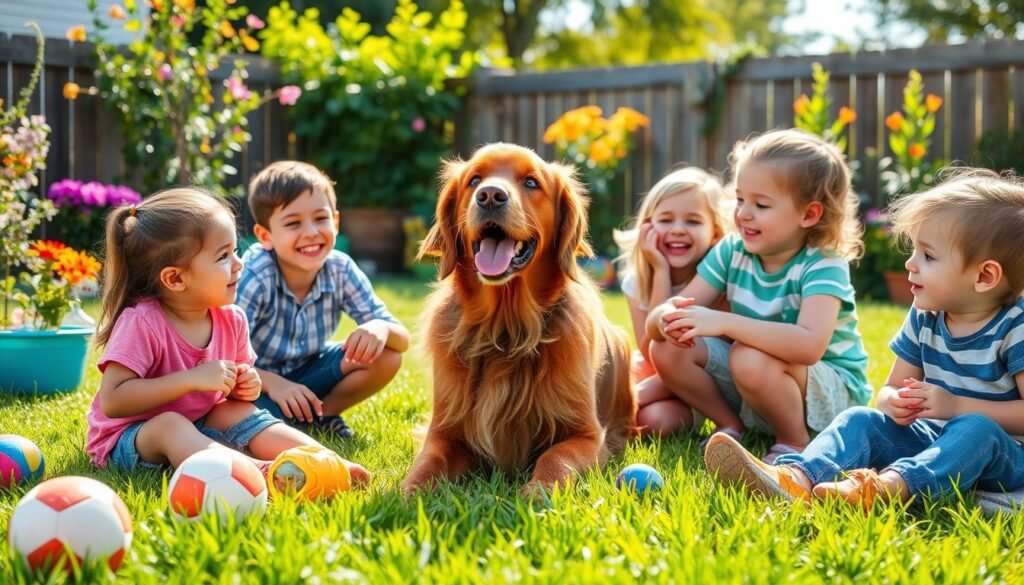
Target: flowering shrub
[(82, 209), (47, 291), (599, 147), (811, 113), (910, 137), (177, 127), (24, 144), (375, 116)]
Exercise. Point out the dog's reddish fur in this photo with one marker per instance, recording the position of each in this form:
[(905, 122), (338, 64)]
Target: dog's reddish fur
[(528, 371)]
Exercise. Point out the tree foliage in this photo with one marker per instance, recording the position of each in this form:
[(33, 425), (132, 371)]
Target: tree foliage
[(946, 19)]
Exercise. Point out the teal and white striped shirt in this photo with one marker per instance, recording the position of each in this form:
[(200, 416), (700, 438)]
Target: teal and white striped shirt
[(776, 297)]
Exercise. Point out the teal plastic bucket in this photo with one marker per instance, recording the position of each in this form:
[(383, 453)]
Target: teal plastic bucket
[(43, 362)]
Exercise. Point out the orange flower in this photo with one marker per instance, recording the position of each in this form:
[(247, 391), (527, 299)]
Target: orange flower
[(116, 12), (76, 33), (188, 5), (157, 5), (800, 105), (847, 115), (226, 30), (600, 151), (47, 249), (204, 147), (71, 90), (250, 43), (932, 102), (553, 132), (916, 150), (74, 266), (893, 121), (628, 119)]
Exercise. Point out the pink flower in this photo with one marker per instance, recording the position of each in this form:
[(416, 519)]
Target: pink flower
[(419, 124), (289, 94), (254, 22), (178, 20), (165, 72), (238, 89)]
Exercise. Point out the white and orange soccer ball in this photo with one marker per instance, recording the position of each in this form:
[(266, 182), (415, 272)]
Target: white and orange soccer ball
[(219, 481), (70, 516)]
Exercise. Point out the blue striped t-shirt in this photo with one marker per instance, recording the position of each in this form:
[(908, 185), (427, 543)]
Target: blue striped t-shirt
[(286, 333), (980, 365)]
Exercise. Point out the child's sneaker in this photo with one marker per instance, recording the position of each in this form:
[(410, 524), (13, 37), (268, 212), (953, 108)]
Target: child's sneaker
[(335, 425), (308, 472), (862, 487), (733, 464)]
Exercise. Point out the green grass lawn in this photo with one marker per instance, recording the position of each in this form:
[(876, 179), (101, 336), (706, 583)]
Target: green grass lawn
[(480, 531)]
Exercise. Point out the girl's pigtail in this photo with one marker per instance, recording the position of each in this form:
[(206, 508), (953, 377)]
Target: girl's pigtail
[(121, 222)]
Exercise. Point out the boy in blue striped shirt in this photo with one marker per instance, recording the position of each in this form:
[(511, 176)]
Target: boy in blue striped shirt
[(294, 289), (950, 415)]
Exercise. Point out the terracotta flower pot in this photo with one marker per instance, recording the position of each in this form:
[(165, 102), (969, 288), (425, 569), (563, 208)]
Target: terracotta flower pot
[(899, 287)]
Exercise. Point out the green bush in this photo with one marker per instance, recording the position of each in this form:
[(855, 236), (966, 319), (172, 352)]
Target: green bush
[(1001, 150), (375, 109)]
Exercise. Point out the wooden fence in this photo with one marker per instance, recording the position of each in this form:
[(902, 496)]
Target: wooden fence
[(84, 141), (980, 83)]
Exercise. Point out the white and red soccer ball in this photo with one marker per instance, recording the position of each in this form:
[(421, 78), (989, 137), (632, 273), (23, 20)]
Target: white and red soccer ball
[(68, 516), (219, 481)]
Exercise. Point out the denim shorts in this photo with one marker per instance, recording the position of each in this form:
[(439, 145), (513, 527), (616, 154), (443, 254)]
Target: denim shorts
[(320, 373), (827, 394), (126, 457)]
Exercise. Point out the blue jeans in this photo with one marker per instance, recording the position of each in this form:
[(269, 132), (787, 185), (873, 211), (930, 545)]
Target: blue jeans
[(970, 451), (320, 374)]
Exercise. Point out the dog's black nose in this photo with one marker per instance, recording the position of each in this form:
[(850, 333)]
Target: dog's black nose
[(491, 197)]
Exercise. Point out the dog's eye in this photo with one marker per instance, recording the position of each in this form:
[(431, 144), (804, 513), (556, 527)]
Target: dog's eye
[(531, 183), (475, 181)]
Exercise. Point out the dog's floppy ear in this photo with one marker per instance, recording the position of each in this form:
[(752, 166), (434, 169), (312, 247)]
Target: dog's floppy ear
[(443, 238), (571, 240)]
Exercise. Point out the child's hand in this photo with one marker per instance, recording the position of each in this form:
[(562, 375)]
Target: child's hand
[(648, 242), (247, 383), (297, 402), (697, 321), (366, 343), (901, 410), (935, 401), (215, 376), (671, 316), (360, 476)]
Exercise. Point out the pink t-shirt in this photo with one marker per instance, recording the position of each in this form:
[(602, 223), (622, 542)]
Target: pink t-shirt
[(145, 342)]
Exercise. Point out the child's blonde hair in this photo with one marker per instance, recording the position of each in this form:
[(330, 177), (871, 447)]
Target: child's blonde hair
[(810, 169), (164, 230), (675, 183), (984, 212)]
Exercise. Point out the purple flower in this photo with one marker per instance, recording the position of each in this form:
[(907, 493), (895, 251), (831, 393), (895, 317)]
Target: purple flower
[(289, 94), (165, 72), (418, 124), (121, 195), (238, 89), (66, 193), (254, 22), (94, 194)]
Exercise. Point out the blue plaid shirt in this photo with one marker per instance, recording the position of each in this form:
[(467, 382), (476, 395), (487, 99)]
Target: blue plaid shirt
[(286, 333)]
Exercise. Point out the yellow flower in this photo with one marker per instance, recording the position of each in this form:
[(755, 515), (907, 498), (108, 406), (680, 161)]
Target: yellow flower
[(893, 121), (801, 104), (204, 147), (116, 12), (226, 30), (600, 151), (71, 90), (847, 115), (628, 119), (916, 150), (251, 44), (76, 33), (186, 4), (932, 103), (74, 266), (553, 132)]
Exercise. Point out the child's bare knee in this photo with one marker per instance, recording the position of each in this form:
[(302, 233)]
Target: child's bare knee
[(750, 366), (168, 422), (389, 362)]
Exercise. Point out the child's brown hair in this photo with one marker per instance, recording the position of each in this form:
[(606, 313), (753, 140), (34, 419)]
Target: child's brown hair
[(164, 230), (810, 169), (985, 215), (281, 183)]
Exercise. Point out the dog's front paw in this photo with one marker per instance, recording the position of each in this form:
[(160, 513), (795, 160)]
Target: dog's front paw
[(536, 492)]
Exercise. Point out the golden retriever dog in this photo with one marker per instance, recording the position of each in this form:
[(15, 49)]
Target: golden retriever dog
[(527, 370)]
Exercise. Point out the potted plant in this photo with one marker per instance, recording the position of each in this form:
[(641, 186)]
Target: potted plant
[(375, 112), (37, 353), (882, 255), (600, 148)]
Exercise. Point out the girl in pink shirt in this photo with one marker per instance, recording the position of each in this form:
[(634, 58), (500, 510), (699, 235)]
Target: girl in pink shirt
[(177, 372)]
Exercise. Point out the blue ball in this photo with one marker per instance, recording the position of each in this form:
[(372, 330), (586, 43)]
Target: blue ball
[(640, 478)]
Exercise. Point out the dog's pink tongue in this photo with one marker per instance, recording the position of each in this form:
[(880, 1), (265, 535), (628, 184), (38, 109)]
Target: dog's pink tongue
[(494, 256)]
